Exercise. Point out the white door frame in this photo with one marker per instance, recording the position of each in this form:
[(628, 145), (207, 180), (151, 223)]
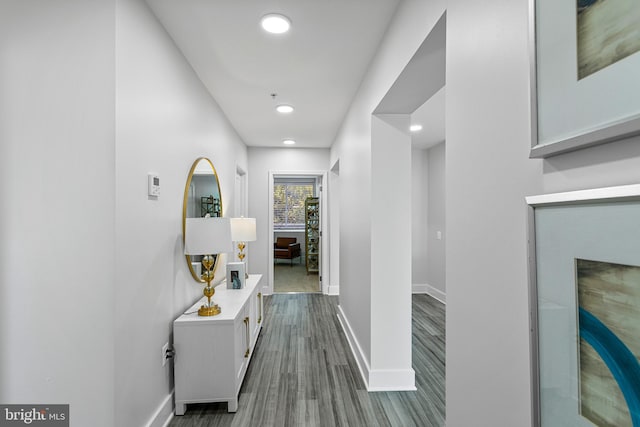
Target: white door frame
[(324, 247), (334, 229)]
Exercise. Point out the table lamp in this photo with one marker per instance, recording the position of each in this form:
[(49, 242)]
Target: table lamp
[(208, 237), (243, 230)]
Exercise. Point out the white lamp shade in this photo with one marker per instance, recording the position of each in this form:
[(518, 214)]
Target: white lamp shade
[(207, 236), (243, 229)]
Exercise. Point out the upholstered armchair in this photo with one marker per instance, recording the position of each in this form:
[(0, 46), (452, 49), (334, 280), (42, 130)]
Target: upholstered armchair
[(286, 248)]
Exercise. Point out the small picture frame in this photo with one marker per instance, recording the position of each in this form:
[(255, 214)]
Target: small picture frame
[(235, 275)]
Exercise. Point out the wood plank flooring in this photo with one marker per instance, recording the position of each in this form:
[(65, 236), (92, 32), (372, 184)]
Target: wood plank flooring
[(303, 373)]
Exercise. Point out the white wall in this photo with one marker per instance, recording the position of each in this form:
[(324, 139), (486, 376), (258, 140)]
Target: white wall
[(428, 218), (436, 270), (57, 222), (411, 25), (419, 210), (390, 365), (488, 175), (261, 161), (165, 120), (604, 166)]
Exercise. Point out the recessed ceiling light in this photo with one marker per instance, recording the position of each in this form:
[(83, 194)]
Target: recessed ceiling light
[(284, 108), (275, 23), (288, 142), (415, 128)]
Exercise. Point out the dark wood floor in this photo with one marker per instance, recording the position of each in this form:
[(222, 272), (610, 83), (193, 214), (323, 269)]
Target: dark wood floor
[(303, 373)]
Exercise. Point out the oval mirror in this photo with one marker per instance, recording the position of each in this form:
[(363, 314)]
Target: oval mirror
[(202, 197)]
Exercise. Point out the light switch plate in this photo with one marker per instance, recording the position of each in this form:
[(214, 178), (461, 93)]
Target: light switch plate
[(154, 184)]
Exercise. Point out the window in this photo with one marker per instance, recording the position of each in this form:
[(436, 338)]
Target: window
[(289, 195)]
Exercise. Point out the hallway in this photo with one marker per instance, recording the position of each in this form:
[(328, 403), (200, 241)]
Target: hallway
[(303, 373)]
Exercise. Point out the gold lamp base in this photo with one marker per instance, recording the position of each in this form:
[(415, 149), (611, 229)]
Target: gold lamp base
[(209, 311), (208, 291), (241, 255)]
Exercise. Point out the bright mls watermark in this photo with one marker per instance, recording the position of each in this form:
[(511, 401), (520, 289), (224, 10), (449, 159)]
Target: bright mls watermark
[(34, 415)]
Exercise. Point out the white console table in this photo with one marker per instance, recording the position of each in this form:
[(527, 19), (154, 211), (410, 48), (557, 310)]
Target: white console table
[(212, 353)]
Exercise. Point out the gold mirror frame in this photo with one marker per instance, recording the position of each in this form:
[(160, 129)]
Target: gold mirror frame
[(185, 203)]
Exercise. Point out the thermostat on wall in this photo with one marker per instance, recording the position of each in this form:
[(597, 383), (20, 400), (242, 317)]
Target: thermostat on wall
[(154, 185)]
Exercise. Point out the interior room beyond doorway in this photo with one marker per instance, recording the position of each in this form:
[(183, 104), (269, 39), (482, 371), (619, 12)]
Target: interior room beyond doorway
[(296, 234)]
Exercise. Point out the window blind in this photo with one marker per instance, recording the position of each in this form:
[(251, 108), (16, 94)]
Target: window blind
[(289, 195)]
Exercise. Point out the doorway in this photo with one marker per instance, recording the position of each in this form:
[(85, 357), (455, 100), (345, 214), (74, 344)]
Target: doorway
[(297, 220)]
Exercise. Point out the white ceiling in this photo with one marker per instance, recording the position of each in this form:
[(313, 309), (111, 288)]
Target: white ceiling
[(316, 67)]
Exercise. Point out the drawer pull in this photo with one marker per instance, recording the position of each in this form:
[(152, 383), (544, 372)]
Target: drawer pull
[(246, 324), (260, 307)]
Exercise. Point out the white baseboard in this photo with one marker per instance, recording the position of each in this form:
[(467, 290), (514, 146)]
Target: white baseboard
[(392, 380), (361, 361), (163, 414), (166, 424), (419, 289), (333, 290), (429, 290), (376, 380)]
